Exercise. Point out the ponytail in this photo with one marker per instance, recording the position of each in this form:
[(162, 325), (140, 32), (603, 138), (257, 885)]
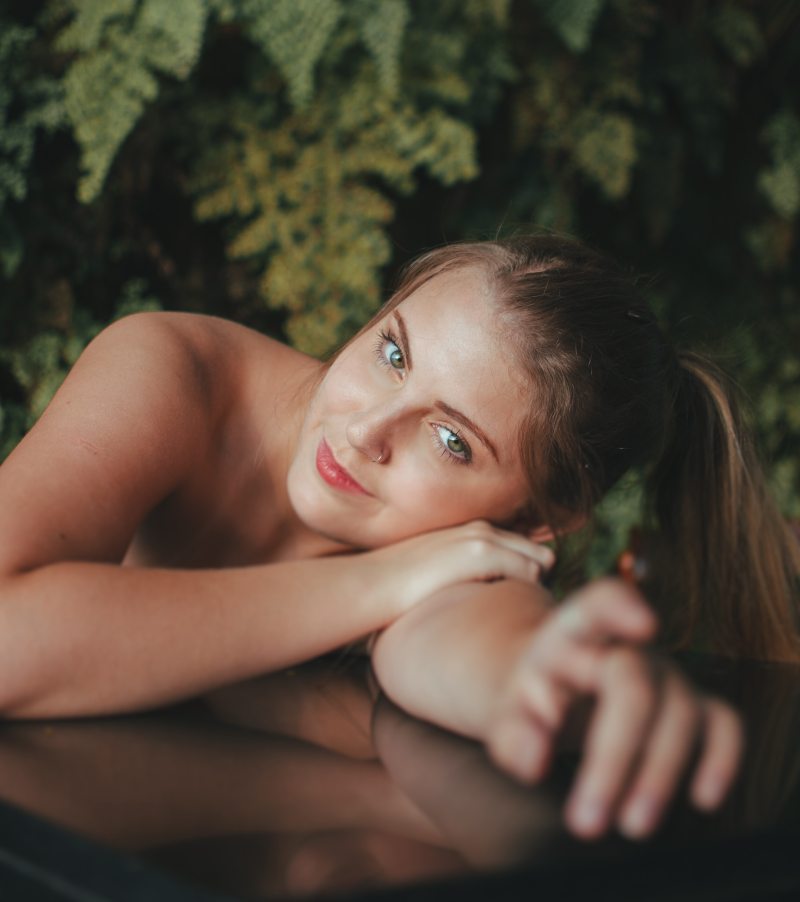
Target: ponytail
[(609, 394), (725, 565)]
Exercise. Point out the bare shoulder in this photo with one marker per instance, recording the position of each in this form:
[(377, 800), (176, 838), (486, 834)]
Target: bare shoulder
[(126, 428), (189, 366), (215, 355)]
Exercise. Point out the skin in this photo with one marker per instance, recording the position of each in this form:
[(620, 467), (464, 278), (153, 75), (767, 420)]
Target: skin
[(389, 412), (165, 530)]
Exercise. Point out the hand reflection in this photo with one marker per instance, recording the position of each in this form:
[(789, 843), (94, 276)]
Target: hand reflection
[(481, 812), (358, 794)]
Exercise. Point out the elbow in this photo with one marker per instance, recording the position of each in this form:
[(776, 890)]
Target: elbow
[(22, 666)]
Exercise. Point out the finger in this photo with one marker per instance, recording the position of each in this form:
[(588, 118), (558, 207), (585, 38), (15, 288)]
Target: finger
[(625, 709), (555, 659), (673, 738), (723, 746), (492, 562), (482, 530), (473, 552), (541, 697), (521, 746), (543, 555), (606, 610)]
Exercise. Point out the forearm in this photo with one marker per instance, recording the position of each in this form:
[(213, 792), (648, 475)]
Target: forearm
[(86, 638), (447, 660)]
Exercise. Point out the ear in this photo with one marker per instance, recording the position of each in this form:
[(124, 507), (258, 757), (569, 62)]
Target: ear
[(541, 534)]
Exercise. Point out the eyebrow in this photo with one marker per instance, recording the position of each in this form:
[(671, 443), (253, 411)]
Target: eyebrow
[(466, 421), (403, 337), (440, 405)]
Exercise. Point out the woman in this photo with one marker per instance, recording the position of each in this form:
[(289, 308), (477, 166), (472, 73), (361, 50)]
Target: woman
[(185, 514)]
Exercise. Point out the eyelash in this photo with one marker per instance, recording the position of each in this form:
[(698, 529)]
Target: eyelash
[(386, 337), (444, 450)]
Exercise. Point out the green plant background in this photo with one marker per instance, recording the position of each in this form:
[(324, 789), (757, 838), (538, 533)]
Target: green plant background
[(276, 161)]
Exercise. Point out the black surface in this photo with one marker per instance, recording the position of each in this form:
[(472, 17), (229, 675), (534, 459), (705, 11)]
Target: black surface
[(211, 803)]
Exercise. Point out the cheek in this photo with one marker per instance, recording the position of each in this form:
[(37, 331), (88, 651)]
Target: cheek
[(430, 497), (345, 385), (446, 496)]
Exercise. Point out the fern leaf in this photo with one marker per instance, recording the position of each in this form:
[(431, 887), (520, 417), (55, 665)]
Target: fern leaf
[(29, 101), (739, 32), (572, 20), (173, 33), (605, 150), (88, 27), (293, 34), (105, 94), (780, 183), (382, 26)]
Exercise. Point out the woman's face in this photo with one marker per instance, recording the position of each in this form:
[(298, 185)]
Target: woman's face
[(415, 425)]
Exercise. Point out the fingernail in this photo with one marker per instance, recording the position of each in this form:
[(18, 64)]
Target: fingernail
[(529, 764), (638, 819), (573, 619), (587, 817), (709, 793)]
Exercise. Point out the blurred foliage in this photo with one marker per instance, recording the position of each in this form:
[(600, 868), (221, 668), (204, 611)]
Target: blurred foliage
[(277, 160)]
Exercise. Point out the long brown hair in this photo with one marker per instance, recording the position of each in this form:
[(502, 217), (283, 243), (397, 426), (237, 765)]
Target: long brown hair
[(610, 393)]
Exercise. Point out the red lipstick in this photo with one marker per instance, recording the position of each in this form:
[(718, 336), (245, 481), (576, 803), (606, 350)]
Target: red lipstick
[(334, 474)]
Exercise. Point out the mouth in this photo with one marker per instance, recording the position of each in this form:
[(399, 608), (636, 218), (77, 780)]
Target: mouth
[(334, 474)]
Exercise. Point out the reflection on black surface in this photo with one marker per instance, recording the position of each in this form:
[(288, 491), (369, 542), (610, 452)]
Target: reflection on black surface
[(299, 783)]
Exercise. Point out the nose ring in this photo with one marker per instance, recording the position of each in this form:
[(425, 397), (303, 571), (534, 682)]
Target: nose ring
[(378, 459)]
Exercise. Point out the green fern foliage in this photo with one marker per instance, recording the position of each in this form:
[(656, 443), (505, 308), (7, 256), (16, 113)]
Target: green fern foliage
[(121, 47), (737, 30), (293, 34), (382, 24), (174, 33), (30, 102), (106, 93), (604, 149), (780, 182), (572, 20), (306, 193), (90, 22)]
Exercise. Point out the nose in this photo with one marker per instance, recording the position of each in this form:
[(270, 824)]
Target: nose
[(370, 431)]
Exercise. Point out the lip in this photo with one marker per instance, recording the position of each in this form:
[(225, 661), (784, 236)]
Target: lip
[(334, 474)]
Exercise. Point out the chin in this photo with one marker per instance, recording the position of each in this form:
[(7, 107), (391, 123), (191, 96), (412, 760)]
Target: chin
[(320, 513)]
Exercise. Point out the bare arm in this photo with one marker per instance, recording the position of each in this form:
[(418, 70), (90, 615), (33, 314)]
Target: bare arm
[(80, 634), (449, 660), (493, 663), (86, 638)]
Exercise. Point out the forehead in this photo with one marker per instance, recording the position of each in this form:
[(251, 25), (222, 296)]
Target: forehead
[(458, 313), (460, 341)]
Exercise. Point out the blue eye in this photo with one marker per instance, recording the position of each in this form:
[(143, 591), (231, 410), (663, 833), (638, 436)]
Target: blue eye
[(452, 444), (394, 355)]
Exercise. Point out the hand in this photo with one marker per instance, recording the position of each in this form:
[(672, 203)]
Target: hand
[(646, 724), (412, 570)]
